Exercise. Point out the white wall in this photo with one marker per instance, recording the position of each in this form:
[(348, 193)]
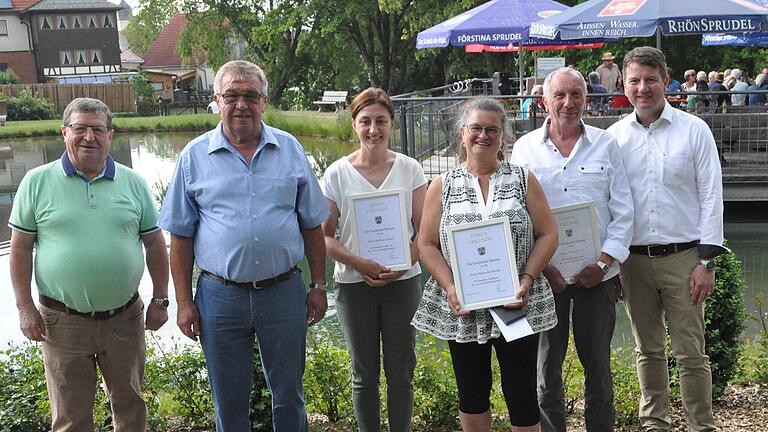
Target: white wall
[(18, 36)]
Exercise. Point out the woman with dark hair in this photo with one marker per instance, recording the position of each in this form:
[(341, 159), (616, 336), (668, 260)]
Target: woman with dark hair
[(375, 303), (482, 187)]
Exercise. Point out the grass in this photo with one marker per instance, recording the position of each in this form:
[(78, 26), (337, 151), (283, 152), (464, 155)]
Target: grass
[(296, 122)]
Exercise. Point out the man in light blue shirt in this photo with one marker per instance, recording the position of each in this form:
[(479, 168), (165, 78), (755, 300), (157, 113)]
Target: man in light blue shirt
[(245, 204)]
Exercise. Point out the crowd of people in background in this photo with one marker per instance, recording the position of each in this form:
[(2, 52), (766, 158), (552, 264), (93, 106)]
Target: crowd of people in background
[(724, 89)]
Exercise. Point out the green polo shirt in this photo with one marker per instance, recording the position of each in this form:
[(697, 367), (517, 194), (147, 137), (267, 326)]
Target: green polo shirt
[(89, 250)]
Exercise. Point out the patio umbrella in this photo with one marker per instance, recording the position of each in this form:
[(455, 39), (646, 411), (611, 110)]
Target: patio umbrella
[(642, 18), (495, 23), (744, 40)]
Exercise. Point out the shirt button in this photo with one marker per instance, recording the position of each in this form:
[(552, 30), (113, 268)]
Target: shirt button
[(253, 194), (256, 262), (255, 239)]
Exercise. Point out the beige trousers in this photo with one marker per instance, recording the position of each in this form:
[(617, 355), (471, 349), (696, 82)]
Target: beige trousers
[(655, 288), (75, 345)]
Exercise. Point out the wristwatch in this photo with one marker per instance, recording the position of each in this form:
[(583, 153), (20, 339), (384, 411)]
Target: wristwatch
[(160, 301), (708, 263), (603, 266), (321, 286)]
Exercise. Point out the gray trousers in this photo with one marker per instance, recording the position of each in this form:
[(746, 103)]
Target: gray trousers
[(376, 321), (593, 318)]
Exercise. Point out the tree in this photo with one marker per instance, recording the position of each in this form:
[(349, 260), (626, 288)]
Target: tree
[(152, 18)]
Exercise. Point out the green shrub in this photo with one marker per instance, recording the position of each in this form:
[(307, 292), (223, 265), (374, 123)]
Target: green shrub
[(9, 77), (724, 321), (327, 378), (626, 387), (142, 89), (24, 402), (28, 107), (436, 401)]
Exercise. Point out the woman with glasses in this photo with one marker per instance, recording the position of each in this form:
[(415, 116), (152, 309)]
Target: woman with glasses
[(375, 303), (483, 187)]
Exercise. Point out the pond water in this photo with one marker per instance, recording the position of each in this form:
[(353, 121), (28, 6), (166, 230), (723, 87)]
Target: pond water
[(153, 156)]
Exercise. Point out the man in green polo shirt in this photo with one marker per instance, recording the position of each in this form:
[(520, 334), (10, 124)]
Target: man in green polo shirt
[(89, 217)]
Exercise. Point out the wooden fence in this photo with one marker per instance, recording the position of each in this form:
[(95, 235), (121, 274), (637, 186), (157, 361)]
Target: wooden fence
[(117, 96)]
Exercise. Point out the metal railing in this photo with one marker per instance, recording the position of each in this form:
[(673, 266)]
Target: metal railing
[(426, 127)]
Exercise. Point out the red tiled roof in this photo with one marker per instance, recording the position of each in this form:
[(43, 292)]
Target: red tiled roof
[(20, 5), (162, 52)]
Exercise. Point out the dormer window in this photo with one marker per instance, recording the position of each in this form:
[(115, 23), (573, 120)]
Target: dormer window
[(107, 21), (81, 59), (45, 23), (62, 23), (76, 22), (92, 22), (96, 57)]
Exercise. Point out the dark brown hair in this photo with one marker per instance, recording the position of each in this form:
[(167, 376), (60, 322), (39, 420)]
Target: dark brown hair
[(371, 96)]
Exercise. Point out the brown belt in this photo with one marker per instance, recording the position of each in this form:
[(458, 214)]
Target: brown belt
[(100, 315), (662, 250), (265, 283)]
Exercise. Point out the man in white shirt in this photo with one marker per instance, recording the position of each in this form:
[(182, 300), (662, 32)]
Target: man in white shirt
[(740, 86), (576, 163), (674, 173)]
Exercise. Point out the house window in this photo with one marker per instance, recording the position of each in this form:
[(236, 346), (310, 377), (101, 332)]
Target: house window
[(76, 22), (66, 58), (92, 22), (107, 21), (62, 23), (81, 58), (96, 57), (45, 23), (158, 86), (3, 28), (3, 67)]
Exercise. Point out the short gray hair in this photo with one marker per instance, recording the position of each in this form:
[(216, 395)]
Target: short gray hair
[(563, 70), (487, 105), (594, 77), (760, 79), (87, 105), (646, 56), (736, 73), (241, 69)]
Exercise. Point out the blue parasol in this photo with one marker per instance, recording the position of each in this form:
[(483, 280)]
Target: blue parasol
[(497, 22), (501, 23), (745, 39), (642, 18)]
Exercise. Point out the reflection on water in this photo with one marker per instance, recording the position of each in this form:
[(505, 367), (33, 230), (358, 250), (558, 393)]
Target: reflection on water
[(153, 155)]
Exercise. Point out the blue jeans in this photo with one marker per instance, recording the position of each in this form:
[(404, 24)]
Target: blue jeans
[(230, 316)]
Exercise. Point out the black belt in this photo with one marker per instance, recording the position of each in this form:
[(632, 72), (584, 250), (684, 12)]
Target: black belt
[(265, 283), (661, 250), (100, 315)]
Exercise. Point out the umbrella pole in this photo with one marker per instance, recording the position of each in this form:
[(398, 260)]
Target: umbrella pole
[(520, 68), (658, 38)]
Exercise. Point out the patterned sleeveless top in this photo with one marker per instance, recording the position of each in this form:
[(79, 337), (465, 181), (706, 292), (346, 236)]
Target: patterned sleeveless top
[(462, 203)]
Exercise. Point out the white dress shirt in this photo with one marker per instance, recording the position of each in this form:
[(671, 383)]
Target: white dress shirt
[(594, 171), (674, 172)]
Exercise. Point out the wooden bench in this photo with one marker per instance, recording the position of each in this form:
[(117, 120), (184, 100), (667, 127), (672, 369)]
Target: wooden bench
[(336, 99)]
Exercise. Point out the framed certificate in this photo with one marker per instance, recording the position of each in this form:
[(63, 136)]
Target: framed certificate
[(483, 264), (380, 228), (579, 238)]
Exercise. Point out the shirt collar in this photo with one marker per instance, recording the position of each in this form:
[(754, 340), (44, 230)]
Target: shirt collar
[(219, 141), (585, 132), (666, 115), (107, 172)]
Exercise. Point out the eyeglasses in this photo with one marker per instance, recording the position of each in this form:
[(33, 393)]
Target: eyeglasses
[(81, 129), (476, 130), (232, 98)]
